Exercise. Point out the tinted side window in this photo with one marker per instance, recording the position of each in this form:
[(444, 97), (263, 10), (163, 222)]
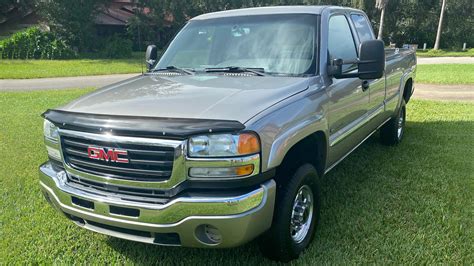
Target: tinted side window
[(363, 27), (340, 42)]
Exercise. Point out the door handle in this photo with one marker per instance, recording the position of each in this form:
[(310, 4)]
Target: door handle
[(365, 85)]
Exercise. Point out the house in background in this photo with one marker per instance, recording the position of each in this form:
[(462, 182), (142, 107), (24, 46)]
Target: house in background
[(15, 18), (110, 20), (114, 18)]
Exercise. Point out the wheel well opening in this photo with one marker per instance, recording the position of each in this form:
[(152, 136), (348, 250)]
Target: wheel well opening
[(407, 90), (311, 149)]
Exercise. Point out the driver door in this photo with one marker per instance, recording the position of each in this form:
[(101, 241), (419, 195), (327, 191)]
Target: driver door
[(349, 101)]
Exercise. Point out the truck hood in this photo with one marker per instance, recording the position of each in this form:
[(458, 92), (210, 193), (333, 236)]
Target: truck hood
[(199, 96)]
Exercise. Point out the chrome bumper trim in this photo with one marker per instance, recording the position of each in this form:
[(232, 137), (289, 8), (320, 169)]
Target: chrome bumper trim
[(239, 219)]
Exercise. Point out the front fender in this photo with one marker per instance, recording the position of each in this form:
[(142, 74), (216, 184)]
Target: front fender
[(280, 128)]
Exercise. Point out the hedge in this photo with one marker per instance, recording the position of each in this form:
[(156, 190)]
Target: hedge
[(33, 43)]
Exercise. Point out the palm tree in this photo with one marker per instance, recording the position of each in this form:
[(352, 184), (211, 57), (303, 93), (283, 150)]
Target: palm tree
[(440, 25), (381, 5)]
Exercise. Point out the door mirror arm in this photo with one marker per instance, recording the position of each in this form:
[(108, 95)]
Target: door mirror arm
[(335, 69)]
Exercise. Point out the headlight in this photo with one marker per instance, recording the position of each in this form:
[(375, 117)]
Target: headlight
[(223, 145), (50, 131), (51, 136)]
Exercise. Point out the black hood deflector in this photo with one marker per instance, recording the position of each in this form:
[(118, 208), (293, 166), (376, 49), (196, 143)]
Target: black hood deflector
[(149, 127)]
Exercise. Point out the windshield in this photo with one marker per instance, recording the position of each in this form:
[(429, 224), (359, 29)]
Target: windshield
[(277, 44)]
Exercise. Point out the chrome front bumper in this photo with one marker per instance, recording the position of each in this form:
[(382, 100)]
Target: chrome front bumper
[(184, 221)]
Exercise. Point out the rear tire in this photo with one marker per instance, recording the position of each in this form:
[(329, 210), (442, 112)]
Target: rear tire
[(296, 216), (393, 131)]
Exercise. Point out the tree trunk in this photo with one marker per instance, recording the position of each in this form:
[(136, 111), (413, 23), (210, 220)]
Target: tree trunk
[(440, 26), (382, 16)]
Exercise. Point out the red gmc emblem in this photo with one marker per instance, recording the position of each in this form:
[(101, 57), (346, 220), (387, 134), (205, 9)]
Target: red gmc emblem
[(107, 155)]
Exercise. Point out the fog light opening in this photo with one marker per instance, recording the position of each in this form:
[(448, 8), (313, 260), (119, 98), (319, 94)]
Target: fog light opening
[(46, 196), (208, 234)]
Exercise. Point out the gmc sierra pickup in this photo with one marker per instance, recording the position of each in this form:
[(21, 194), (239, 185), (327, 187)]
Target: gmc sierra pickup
[(226, 136)]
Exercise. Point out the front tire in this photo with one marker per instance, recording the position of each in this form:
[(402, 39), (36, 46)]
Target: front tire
[(392, 132), (296, 216)]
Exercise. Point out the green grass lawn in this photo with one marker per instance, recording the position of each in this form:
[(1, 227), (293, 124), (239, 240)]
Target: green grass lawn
[(28, 69), (410, 204), (440, 53), (446, 74)]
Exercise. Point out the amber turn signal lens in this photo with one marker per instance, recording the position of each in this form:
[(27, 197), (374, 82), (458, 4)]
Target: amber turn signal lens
[(236, 171), (248, 143), (244, 170)]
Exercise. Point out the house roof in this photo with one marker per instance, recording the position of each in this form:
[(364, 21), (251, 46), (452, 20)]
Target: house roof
[(115, 15)]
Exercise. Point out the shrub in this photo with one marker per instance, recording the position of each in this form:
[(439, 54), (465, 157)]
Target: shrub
[(33, 43), (117, 47)]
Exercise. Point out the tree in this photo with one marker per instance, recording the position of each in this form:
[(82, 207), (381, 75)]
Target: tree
[(381, 5), (440, 25), (398, 21), (458, 24), (73, 20)]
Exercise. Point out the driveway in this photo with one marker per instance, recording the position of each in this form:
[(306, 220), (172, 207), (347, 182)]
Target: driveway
[(422, 91), (444, 92)]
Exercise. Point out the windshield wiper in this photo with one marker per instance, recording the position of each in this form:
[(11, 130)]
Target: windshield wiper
[(176, 69), (254, 70)]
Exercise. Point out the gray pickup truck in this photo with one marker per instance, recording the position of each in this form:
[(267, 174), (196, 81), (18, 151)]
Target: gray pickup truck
[(226, 136)]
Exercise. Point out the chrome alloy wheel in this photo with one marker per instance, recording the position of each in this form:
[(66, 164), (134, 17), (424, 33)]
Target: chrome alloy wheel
[(302, 214), (400, 124)]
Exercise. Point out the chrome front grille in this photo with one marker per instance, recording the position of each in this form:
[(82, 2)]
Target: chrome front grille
[(146, 162)]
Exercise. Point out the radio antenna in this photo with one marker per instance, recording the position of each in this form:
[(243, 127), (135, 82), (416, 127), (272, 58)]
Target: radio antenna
[(140, 38)]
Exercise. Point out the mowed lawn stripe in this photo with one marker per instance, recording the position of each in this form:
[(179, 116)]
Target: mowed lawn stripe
[(29, 69), (412, 203), (445, 74)]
